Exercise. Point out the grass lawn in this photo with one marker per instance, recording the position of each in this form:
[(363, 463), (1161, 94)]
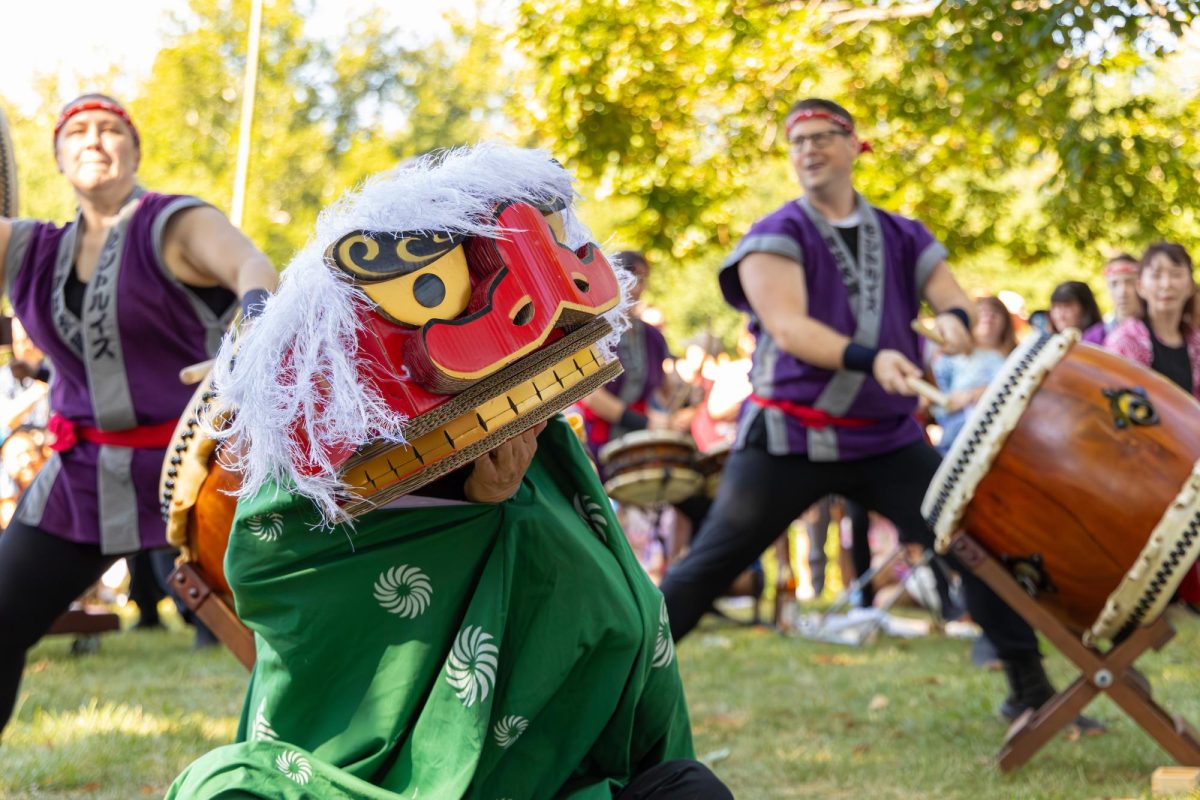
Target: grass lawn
[(779, 718)]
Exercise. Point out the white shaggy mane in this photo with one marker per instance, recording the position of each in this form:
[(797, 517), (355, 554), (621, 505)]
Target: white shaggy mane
[(305, 337)]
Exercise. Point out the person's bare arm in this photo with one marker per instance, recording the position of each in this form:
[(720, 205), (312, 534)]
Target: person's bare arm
[(943, 293), (203, 248), (774, 286), (610, 408), (604, 404)]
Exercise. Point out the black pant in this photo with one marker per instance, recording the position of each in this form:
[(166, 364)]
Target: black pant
[(759, 496), (145, 589), (860, 548), (40, 575), (681, 778)]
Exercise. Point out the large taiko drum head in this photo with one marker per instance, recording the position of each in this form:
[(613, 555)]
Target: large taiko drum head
[(1078, 470), (649, 468)]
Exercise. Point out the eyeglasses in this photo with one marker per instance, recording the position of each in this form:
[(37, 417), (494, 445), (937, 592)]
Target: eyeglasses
[(819, 140)]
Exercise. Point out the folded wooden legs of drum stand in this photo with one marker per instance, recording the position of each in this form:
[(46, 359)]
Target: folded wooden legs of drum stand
[(1107, 673), (213, 610), (82, 620)]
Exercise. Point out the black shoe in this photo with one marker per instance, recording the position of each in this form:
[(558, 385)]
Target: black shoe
[(144, 624), (1028, 686), (85, 644), (1086, 726)]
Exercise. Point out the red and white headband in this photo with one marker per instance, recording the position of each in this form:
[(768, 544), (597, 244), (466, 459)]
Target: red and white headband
[(94, 103), (817, 113)]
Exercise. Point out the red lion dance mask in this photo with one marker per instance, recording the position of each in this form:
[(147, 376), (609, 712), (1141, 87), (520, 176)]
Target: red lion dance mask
[(451, 305)]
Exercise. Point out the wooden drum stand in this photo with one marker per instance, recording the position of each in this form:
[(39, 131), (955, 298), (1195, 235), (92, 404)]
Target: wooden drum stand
[(1102, 673)]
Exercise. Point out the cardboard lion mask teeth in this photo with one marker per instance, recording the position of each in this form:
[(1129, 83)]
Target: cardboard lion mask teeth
[(440, 309)]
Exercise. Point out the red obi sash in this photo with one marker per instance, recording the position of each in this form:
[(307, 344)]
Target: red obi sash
[(812, 417), (149, 437)]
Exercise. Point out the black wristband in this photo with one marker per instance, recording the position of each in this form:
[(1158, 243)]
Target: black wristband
[(633, 421), (253, 303), (962, 315), (859, 358), (42, 374)]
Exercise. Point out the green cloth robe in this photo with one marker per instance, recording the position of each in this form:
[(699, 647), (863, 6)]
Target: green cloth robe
[(510, 650)]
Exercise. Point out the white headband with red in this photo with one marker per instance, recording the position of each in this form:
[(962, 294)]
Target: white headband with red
[(817, 113), (93, 103)]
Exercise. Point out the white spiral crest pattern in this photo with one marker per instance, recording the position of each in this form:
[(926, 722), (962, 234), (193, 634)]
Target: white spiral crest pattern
[(267, 527), (509, 729), (664, 646), (404, 591), (471, 666), (262, 730), (593, 514), (294, 766)]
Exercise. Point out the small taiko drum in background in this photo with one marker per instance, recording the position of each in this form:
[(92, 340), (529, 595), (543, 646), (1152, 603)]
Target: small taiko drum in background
[(710, 464), (649, 468), (1078, 470)]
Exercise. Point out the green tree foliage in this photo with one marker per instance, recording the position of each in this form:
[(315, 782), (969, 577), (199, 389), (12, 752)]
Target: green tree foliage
[(1032, 136), (325, 116)]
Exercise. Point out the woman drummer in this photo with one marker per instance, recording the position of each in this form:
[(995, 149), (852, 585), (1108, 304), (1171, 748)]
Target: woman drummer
[(137, 287)]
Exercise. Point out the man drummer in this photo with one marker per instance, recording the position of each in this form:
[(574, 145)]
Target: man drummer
[(833, 283), (626, 404)]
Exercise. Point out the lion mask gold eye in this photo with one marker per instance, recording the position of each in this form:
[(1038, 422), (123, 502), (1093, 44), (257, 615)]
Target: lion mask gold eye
[(413, 277), (552, 211)]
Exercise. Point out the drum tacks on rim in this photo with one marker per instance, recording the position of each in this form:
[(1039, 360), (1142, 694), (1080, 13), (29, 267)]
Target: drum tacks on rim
[(1079, 471)]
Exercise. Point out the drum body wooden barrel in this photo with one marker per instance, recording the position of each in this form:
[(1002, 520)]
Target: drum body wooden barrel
[(1077, 469), (211, 522), (648, 468)]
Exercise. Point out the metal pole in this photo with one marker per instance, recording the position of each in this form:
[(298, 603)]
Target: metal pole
[(248, 88)]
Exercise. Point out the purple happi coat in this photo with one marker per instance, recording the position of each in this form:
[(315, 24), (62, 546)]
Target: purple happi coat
[(872, 299), (115, 369)]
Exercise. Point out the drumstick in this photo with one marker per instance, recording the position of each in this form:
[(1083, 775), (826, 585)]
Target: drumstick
[(929, 333), (928, 391), (195, 373)]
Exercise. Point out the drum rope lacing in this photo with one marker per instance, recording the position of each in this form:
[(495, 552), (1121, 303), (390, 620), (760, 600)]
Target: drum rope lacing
[(977, 435), (1162, 577)]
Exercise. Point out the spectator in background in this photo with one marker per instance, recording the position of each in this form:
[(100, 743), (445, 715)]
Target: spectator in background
[(964, 377), (1165, 338), (1072, 305), (23, 453), (1040, 321), (1121, 278)]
